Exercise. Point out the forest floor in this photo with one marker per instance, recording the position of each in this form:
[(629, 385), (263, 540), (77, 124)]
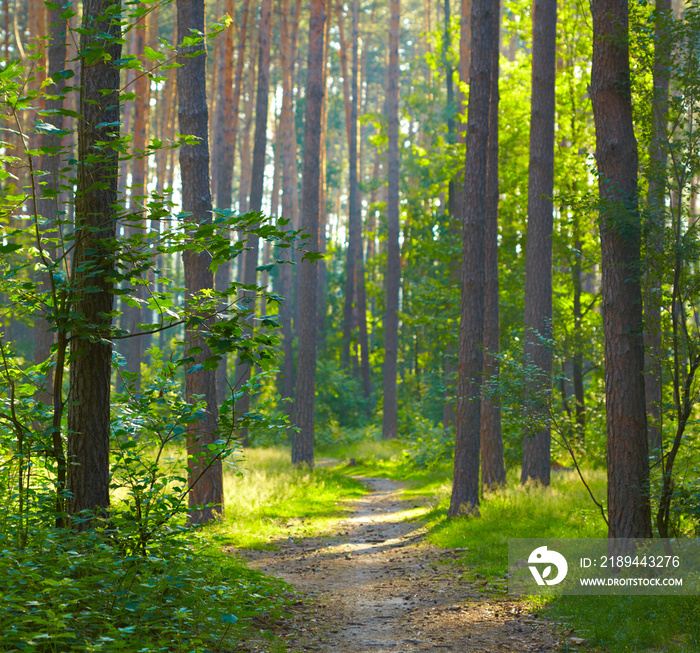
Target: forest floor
[(371, 584)]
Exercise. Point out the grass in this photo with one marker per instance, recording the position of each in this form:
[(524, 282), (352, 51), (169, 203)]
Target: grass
[(608, 623), (267, 498)]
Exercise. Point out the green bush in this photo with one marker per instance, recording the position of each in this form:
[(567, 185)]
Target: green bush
[(339, 397), (80, 593)]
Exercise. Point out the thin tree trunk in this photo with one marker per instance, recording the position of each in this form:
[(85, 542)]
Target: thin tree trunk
[(653, 351), (393, 270), (93, 263), (450, 360), (629, 513), (245, 177), (465, 485), (577, 357), (250, 275), (48, 208), (493, 469), (228, 128), (538, 256), (354, 216), (134, 347), (303, 439), (205, 476), (323, 213), (289, 184)]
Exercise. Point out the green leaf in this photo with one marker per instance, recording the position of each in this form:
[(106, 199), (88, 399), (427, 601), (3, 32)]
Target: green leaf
[(152, 54)]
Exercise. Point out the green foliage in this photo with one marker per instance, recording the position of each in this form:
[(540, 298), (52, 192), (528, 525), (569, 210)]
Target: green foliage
[(430, 450), (80, 593), (339, 398), (135, 580)]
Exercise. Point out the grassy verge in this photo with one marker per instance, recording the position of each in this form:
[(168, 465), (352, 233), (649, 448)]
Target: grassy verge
[(267, 498), (616, 624)]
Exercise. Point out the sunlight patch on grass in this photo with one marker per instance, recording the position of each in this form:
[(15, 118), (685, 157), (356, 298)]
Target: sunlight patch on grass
[(267, 498)]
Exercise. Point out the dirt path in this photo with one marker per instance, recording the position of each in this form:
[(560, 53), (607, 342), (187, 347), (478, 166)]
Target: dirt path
[(372, 585)]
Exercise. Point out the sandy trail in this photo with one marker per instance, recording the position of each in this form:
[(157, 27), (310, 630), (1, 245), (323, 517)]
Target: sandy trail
[(371, 584)]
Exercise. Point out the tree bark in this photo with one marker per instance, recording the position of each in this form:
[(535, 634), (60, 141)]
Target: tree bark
[(134, 347), (354, 217), (493, 469), (450, 360), (393, 271), (653, 351), (257, 179), (538, 255), (465, 485), (303, 439), (93, 263), (629, 514), (577, 357), (50, 164), (289, 184), (323, 213), (227, 120), (205, 477)]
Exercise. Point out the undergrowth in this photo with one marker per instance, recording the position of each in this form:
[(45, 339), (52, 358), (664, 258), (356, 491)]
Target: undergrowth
[(68, 592)]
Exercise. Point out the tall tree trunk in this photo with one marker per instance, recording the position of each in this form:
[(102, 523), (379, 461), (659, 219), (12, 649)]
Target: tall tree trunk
[(250, 275), (450, 360), (134, 347), (629, 514), (493, 469), (245, 176), (303, 439), (451, 106), (538, 256), (289, 186), (354, 215), (205, 477), (227, 120), (93, 263), (393, 270), (577, 357), (655, 227), (323, 212), (48, 208), (465, 485)]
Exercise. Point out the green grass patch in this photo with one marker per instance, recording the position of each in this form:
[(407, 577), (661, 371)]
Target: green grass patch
[(561, 510), (633, 623), (267, 498)]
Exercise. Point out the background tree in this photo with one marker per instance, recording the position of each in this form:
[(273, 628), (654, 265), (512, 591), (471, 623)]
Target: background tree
[(250, 272), (393, 268), (629, 513), (205, 473), (493, 469), (538, 260), (93, 261), (465, 485), (653, 351), (303, 440)]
